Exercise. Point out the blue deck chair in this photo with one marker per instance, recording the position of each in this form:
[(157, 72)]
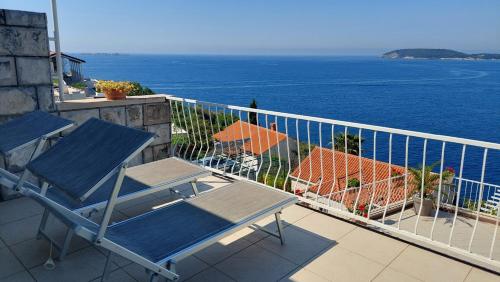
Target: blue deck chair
[(157, 239), (31, 128), (84, 198)]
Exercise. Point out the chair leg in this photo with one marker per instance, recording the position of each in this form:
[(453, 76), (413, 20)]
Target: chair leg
[(280, 227), (67, 241), (154, 277), (107, 267), (195, 188), (171, 265), (43, 223)]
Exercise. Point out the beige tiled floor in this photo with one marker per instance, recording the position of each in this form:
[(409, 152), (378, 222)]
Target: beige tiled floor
[(462, 232), (318, 248)]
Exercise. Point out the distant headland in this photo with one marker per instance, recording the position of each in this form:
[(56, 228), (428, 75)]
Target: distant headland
[(442, 54)]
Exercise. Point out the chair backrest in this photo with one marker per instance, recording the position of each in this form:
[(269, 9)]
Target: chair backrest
[(87, 157), (28, 128)]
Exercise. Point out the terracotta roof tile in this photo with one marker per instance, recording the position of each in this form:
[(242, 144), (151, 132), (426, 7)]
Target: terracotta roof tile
[(333, 182), (251, 133)]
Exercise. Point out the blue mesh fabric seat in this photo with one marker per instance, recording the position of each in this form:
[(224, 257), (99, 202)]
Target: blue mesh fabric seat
[(78, 162), (164, 232), (28, 128)]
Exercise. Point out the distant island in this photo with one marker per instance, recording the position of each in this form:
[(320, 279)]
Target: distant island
[(441, 54)]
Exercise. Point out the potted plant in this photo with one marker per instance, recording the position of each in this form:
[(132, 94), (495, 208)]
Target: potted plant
[(430, 185), (114, 90), (450, 174)]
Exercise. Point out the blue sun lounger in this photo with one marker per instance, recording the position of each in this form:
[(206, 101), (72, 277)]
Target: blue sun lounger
[(33, 128), (139, 181), (157, 239)]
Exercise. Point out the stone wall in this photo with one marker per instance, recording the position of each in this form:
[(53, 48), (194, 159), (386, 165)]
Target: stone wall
[(25, 80), (150, 113), (26, 85)]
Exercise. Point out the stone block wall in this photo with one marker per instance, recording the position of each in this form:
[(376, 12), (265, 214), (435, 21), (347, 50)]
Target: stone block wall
[(26, 85), (149, 113), (25, 79)]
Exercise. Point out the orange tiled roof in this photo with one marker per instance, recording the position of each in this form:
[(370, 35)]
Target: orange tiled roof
[(328, 185), (251, 134)]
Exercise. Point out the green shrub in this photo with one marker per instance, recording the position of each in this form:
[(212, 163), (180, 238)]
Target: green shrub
[(139, 90)]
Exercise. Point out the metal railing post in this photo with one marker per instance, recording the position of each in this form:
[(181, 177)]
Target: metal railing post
[(57, 43)]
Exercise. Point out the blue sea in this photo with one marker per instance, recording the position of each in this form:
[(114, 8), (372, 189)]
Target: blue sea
[(448, 97)]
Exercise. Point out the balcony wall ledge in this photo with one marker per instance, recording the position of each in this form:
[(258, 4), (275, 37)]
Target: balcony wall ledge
[(90, 103)]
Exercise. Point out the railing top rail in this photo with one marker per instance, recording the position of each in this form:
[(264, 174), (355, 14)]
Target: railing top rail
[(477, 182), (444, 138)]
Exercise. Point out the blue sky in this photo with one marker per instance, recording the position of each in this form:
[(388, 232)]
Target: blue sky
[(320, 27)]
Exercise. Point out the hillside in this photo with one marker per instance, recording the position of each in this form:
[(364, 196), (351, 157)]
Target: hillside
[(422, 53)]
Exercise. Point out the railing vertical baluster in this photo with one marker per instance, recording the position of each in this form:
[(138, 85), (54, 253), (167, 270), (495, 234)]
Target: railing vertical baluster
[(260, 148), (173, 142), (288, 155), (439, 190), (298, 156), (234, 143), (213, 132), (220, 142), (194, 132), (251, 144), (229, 140), (406, 181), (374, 162), (187, 130), (206, 131), (470, 195), (320, 184), (479, 199), (422, 186), (360, 168), (279, 150), (458, 194), (180, 126), (334, 182), (346, 167), (244, 157), (199, 130), (269, 151), (496, 230), (308, 125), (389, 180)]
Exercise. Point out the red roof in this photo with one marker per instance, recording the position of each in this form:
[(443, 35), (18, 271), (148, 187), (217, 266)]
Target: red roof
[(257, 139), (332, 187)]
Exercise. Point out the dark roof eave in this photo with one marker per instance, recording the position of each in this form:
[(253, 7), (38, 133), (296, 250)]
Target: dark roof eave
[(71, 58)]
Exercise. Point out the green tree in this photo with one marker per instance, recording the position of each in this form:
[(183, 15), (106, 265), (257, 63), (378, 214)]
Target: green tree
[(253, 116), (352, 143)]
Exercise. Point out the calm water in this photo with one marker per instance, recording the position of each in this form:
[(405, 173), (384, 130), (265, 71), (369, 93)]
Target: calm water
[(457, 98)]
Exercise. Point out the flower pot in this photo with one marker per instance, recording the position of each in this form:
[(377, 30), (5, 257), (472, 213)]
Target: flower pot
[(115, 95), (449, 179), (427, 206)]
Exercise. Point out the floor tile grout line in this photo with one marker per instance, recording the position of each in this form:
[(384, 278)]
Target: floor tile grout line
[(468, 273), (20, 219), (302, 265), (117, 269), (20, 262), (231, 277), (389, 263), (299, 264), (251, 244), (257, 241), (347, 233)]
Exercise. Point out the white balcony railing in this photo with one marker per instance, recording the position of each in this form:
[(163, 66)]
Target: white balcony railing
[(369, 174)]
